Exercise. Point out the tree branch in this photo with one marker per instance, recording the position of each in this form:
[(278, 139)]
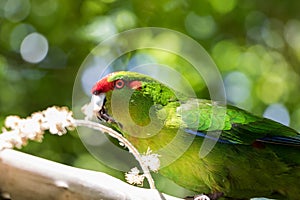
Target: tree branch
[(24, 176)]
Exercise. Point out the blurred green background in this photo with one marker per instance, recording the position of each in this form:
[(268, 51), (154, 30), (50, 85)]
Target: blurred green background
[(255, 44)]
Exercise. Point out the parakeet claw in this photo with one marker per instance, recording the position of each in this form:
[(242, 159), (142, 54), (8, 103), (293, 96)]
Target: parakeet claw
[(104, 116)]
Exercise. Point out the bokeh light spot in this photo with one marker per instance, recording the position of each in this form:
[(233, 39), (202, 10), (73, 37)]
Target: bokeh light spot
[(278, 112), (99, 29), (34, 48), (226, 54), (250, 63), (274, 63), (271, 88), (124, 19), (223, 6), (200, 27), (165, 38), (16, 10), (237, 86)]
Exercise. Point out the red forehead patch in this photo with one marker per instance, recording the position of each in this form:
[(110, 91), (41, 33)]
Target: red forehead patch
[(102, 86)]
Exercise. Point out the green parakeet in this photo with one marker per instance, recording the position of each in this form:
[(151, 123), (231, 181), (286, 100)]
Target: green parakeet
[(252, 156)]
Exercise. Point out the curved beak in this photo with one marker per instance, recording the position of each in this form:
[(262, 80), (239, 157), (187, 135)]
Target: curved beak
[(98, 102)]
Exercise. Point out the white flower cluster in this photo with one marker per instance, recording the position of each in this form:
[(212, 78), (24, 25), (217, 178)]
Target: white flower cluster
[(150, 160), (18, 130), (134, 177)]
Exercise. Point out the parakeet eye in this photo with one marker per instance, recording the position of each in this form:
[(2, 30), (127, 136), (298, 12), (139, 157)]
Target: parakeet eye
[(119, 84)]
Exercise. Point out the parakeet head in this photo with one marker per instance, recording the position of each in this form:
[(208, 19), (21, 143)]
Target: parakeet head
[(124, 94), (119, 80)]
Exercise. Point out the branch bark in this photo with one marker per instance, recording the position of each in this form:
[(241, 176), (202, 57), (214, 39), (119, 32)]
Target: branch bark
[(24, 176)]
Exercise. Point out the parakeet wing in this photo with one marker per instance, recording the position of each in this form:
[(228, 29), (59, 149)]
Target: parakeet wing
[(237, 126)]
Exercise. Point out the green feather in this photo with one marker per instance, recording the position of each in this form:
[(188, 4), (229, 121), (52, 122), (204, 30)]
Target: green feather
[(248, 163)]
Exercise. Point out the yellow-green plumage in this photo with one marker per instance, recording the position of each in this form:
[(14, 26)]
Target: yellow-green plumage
[(253, 157)]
